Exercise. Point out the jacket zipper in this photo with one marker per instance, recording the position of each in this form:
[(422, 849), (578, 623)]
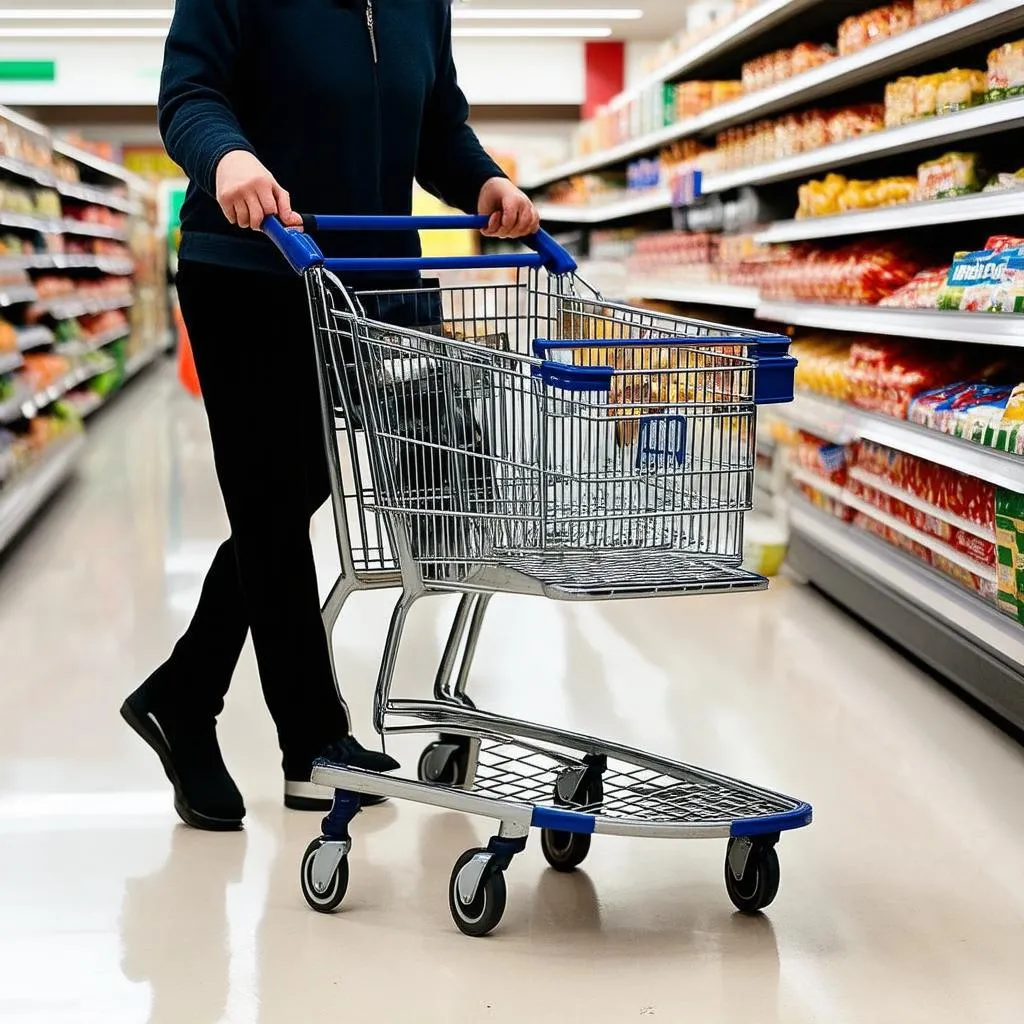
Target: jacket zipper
[(370, 28)]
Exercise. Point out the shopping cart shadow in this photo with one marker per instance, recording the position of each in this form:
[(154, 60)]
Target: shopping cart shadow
[(174, 927)]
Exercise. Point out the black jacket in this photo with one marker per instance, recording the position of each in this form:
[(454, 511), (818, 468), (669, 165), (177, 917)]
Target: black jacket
[(343, 117)]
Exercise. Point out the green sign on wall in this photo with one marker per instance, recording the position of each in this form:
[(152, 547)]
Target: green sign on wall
[(28, 70)]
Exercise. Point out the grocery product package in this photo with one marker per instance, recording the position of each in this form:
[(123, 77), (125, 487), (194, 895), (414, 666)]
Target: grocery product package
[(861, 30), (1005, 76), (1009, 527), (951, 175), (989, 280)]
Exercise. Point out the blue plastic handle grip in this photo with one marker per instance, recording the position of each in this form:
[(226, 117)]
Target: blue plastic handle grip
[(775, 368), (302, 252), (575, 378)]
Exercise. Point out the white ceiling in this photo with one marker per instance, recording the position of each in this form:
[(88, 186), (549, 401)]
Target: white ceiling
[(660, 17)]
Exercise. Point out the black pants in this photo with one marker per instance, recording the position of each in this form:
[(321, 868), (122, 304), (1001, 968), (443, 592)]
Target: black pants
[(253, 349)]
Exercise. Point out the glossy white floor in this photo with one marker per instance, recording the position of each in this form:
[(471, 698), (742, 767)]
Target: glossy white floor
[(901, 904)]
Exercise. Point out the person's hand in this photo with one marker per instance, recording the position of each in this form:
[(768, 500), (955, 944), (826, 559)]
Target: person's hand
[(511, 213), (248, 193)]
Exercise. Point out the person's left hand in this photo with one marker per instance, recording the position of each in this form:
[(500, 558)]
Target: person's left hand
[(511, 213)]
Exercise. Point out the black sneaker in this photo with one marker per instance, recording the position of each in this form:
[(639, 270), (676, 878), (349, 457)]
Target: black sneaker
[(302, 795), (205, 795)]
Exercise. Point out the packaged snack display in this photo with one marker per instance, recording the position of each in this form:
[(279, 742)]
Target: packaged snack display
[(859, 274), (959, 89), (929, 10), (920, 292), (862, 30), (989, 280), (1010, 553), (822, 458), (836, 194), (776, 67), (953, 174), (1006, 71)]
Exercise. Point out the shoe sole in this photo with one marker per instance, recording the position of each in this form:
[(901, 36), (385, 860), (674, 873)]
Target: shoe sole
[(187, 814)]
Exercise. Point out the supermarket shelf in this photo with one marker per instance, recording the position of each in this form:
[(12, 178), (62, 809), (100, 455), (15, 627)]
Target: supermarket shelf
[(707, 293), (960, 636), (34, 337), (926, 540), (887, 487), (82, 346), (9, 362), (89, 403), (20, 169), (895, 218), (15, 295), (26, 406), (95, 163), (96, 196), (78, 227), (30, 222), (20, 502), (760, 18), (138, 362), (599, 213), (115, 265), (66, 308), (936, 325), (842, 424), (975, 23), (983, 120)]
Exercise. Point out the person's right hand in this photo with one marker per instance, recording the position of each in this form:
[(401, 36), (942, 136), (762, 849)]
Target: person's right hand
[(247, 193)]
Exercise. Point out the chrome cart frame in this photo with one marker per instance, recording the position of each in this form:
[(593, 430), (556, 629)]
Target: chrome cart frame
[(526, 436)]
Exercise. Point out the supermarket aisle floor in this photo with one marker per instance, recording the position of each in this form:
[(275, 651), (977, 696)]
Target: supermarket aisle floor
[(901, 904)]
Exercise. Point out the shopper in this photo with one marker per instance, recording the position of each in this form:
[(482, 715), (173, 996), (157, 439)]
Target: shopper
[(326, 106)]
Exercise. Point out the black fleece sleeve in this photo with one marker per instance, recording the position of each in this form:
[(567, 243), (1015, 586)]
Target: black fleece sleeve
[(197, 122), (452, 164)]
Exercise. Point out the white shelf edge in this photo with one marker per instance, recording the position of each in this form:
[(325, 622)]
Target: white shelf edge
[(969, 615), (842, 424), (34, 337), (115, 265), (752, 22), (912, 500), (926, 540), (10, 361), (68, 308), (21, 500), (597, 213), (989, 117), (87, 230), (96, 196), (893, 218), (17, 296), (101, 166), (972, 23), (705, 293), (935, 325)]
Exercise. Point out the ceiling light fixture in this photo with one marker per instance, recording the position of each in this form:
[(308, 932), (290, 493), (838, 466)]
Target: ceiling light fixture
[(84, 33), (528, 32), (547, 14), (83, 14)]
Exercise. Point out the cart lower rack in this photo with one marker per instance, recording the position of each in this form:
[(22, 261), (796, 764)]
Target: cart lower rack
[(526, 436)]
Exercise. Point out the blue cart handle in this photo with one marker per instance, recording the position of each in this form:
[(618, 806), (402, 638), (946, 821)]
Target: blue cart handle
[(302, 252)]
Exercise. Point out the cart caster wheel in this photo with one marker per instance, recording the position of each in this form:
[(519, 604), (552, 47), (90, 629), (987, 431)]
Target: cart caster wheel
[(442, 764), (564, 851), (480, 913), (758, 885), (323, 894)]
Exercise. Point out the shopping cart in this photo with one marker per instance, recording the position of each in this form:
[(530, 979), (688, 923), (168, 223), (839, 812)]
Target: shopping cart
[(526, 436)]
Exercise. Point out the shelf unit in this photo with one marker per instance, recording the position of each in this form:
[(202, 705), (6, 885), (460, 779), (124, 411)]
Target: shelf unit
[(938, 38), (103, 184), (963, 638), (961, 635), (29, 493)]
